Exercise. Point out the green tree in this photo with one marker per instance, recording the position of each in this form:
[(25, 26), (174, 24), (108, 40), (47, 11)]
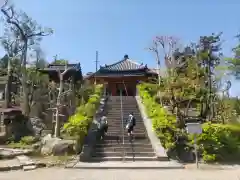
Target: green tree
[(209, 53), (29, 33), (60, 61), (234, 63)]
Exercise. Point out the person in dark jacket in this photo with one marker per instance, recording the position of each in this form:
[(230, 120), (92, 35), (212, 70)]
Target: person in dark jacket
[(103, 126), (131, 122)]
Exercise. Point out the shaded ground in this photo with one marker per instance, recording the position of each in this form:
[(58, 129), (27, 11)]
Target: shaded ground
[(75, 174)]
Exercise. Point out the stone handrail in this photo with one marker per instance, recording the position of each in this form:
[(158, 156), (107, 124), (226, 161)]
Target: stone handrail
[(93, 133), (159, 150)]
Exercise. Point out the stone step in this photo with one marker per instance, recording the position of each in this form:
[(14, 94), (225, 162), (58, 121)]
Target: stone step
[(126, 111), (126, 158), (26, 162), (126, 102), (117, 145), (124, 105), (119, 127), (136, 134), (119, 141), (125, 138), (119, 117), (118, 133), (127, 107), (118, 120), (117, 113), (9, 153), (125, 114), (123, 102), (119, 130), (120, 153), (119, 124), (115, 101), (127, 149)]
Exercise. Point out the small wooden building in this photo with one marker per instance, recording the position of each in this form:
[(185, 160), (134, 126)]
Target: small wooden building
[(71, 78), (11, 118), (74, 71), (122, 76)]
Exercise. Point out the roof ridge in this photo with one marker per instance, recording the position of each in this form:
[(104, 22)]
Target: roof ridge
[(134, 62), (130, 60), (116, 63)]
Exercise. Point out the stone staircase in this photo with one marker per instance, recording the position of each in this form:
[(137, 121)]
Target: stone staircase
[(112, 148)]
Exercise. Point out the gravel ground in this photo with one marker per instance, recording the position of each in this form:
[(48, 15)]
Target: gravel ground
[(77, 174)]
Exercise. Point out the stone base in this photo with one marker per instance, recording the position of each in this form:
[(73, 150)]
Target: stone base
[(128, 165)]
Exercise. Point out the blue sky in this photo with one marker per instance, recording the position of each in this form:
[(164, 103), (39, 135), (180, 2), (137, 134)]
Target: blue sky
[(118, 27)]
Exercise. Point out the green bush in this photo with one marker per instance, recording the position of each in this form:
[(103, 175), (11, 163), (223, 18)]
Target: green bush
[(219, 142), (28, 140), (164, 124), (78, 124), (24, 143)]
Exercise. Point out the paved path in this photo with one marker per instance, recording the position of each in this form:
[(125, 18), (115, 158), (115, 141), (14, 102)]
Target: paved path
[(129, 165), (75, 174)]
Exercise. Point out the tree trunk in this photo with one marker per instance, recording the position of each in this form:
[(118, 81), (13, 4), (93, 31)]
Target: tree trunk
[(25, 108), (73, 96), (159, 76), (57, 123), (7, 86)]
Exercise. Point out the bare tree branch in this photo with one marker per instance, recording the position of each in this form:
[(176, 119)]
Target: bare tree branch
[(26, 31), (42, 33)]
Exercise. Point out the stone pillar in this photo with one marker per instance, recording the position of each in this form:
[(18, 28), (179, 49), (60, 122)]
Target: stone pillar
[(105, 89), (2, 125)]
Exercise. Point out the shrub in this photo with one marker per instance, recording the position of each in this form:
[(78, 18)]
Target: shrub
[(219, 142), (78, 124), (28, 140), (24, 143), (164, 124)]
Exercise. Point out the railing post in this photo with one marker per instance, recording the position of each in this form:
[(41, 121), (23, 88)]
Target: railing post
[(122, 125), (104, 90)]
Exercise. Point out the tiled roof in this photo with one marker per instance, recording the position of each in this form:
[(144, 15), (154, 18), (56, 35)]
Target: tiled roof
[(123, 65), (155, 71), (62, 66), (72, 70), (120, 73)]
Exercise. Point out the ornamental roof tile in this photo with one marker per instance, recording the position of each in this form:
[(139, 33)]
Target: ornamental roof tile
[(124, 65), (63, 66)]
